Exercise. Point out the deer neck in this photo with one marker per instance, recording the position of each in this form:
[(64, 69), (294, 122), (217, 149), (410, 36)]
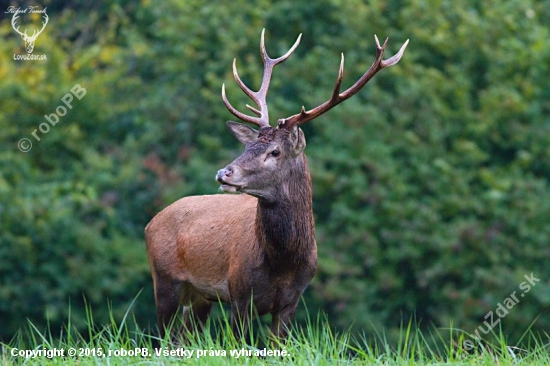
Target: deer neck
[(285, 227)]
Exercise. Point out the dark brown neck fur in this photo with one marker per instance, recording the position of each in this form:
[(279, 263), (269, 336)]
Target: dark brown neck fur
[(285, 228)]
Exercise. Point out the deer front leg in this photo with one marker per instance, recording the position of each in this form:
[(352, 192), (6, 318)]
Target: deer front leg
[(280, 322), (195, 311), (167, 298), (240, 318)]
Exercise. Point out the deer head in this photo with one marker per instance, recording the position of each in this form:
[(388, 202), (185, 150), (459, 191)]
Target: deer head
[(272, 153), (29, 40)]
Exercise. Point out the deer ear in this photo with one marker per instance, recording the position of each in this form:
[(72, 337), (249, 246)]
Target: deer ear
[(297, 140), (242, 132)]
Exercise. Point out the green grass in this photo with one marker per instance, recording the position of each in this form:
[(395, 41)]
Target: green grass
[(314, 343)]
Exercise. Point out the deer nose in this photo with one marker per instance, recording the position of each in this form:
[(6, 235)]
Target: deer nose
[(224, 173)]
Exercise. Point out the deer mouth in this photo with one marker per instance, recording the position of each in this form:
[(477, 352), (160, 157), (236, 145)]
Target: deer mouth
[(230, 188)]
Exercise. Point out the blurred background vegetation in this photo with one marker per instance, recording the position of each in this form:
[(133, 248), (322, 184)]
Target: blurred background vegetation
[(431, 186)]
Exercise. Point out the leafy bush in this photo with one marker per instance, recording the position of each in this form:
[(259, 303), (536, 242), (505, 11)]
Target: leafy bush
[(431, 188)]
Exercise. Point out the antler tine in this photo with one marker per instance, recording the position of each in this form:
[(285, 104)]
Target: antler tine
[(236, 113), (247, 91), (46, 18), (13, 24), (35, 32), (395, 58), (338, 97), (258, 97), (283, 58)]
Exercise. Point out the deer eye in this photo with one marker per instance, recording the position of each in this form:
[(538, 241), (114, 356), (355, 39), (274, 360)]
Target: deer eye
[(275, 153)]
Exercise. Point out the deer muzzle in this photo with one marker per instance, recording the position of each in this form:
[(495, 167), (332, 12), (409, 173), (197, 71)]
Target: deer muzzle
[(226, 177)]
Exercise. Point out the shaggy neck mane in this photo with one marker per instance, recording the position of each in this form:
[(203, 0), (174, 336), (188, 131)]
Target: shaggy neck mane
[(285, 228)]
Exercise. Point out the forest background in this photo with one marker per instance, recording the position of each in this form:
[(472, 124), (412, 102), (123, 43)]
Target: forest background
[(431, 185)]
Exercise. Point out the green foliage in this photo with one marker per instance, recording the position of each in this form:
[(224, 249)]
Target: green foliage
[(431, 185)]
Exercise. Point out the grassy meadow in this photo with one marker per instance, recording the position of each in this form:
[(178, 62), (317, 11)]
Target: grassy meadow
[(312, 343)]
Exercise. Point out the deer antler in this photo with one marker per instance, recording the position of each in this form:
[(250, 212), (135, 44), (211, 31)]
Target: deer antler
[(338, 97), (24, 34), (15, 16), (43, 25), (258, 97)]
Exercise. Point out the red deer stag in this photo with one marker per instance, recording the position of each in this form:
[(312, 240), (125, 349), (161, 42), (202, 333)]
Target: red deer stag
[(259, 246)]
